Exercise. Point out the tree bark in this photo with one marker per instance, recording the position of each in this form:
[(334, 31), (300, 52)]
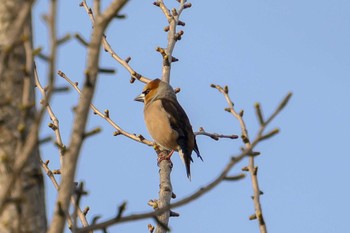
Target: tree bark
[(24, 210)]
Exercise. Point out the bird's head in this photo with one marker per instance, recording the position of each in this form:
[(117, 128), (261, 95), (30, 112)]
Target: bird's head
[(155, 89)]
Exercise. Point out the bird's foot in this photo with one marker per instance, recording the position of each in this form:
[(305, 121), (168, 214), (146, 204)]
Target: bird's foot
[(163, 156)]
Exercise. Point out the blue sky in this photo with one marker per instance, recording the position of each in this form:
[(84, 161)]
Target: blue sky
[(261, 50)]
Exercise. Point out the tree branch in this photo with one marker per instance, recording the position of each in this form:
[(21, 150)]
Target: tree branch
[(165, 191), (251, 167), (55, 123), (80, 120), (81, 214), (214, 136), (108, 48), (106, 116), (173, 18)]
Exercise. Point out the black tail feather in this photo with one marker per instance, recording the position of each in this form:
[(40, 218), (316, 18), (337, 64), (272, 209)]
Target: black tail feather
[(196, 149)]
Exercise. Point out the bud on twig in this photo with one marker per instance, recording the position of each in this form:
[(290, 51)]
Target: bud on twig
[(127, 59), (252, 217), (270, 134), (259, 113), (187, 5)]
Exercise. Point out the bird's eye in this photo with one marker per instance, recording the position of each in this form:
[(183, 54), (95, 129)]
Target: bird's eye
[(146, 92)]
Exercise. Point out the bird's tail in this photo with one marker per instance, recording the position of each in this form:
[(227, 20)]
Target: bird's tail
[(186, 159), (196, 149)]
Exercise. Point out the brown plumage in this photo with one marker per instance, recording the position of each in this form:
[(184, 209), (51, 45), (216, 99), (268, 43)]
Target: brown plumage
[(167, 122)]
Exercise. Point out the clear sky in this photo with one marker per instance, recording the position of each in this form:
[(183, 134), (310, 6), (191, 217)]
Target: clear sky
[(261, 50)]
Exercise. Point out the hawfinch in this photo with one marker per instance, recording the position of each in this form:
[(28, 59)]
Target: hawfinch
[(167, 122)]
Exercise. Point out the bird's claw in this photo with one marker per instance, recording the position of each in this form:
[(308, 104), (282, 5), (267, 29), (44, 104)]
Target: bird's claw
[(162, 157)]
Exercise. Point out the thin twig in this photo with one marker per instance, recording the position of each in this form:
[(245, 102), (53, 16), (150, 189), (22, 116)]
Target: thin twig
[(173, 18), (55, 122), (81, 214), (51, 22), (251, 167), (106, 117), (108, 48), (214, 136)]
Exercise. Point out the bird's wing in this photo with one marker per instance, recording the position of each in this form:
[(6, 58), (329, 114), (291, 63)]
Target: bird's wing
[(181, 124), (178, 120)]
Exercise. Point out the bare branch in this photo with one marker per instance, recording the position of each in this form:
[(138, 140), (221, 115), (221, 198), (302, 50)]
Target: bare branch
[(214, 136), (280, 107), (165, 167), (108, 48), (173, 18), (81, 39), (80, 120), (55, 123), (63, 40), (51, 20), (201, 191), (106, 117), (259, 114), (81, 214), (251, 167)]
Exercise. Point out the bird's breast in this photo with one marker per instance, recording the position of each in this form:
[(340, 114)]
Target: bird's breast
[(158, 125)]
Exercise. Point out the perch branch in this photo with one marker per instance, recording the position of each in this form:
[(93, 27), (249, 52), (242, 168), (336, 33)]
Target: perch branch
[(201, 191), (165, 166)]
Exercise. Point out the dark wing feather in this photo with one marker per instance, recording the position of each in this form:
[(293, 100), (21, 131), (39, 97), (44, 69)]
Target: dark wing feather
[(181, 124)]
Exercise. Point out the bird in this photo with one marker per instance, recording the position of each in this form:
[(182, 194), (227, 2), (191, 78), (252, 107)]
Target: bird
[(167, 122)]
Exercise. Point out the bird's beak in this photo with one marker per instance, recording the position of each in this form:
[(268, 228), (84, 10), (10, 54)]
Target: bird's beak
[(140, 98)]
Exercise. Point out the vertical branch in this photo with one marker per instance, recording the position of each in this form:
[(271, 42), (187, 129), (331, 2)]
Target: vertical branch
[(80, 120), (51, 22), (173, 18), (53, 40), (251, 166), (61, 147), (166, 191)]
